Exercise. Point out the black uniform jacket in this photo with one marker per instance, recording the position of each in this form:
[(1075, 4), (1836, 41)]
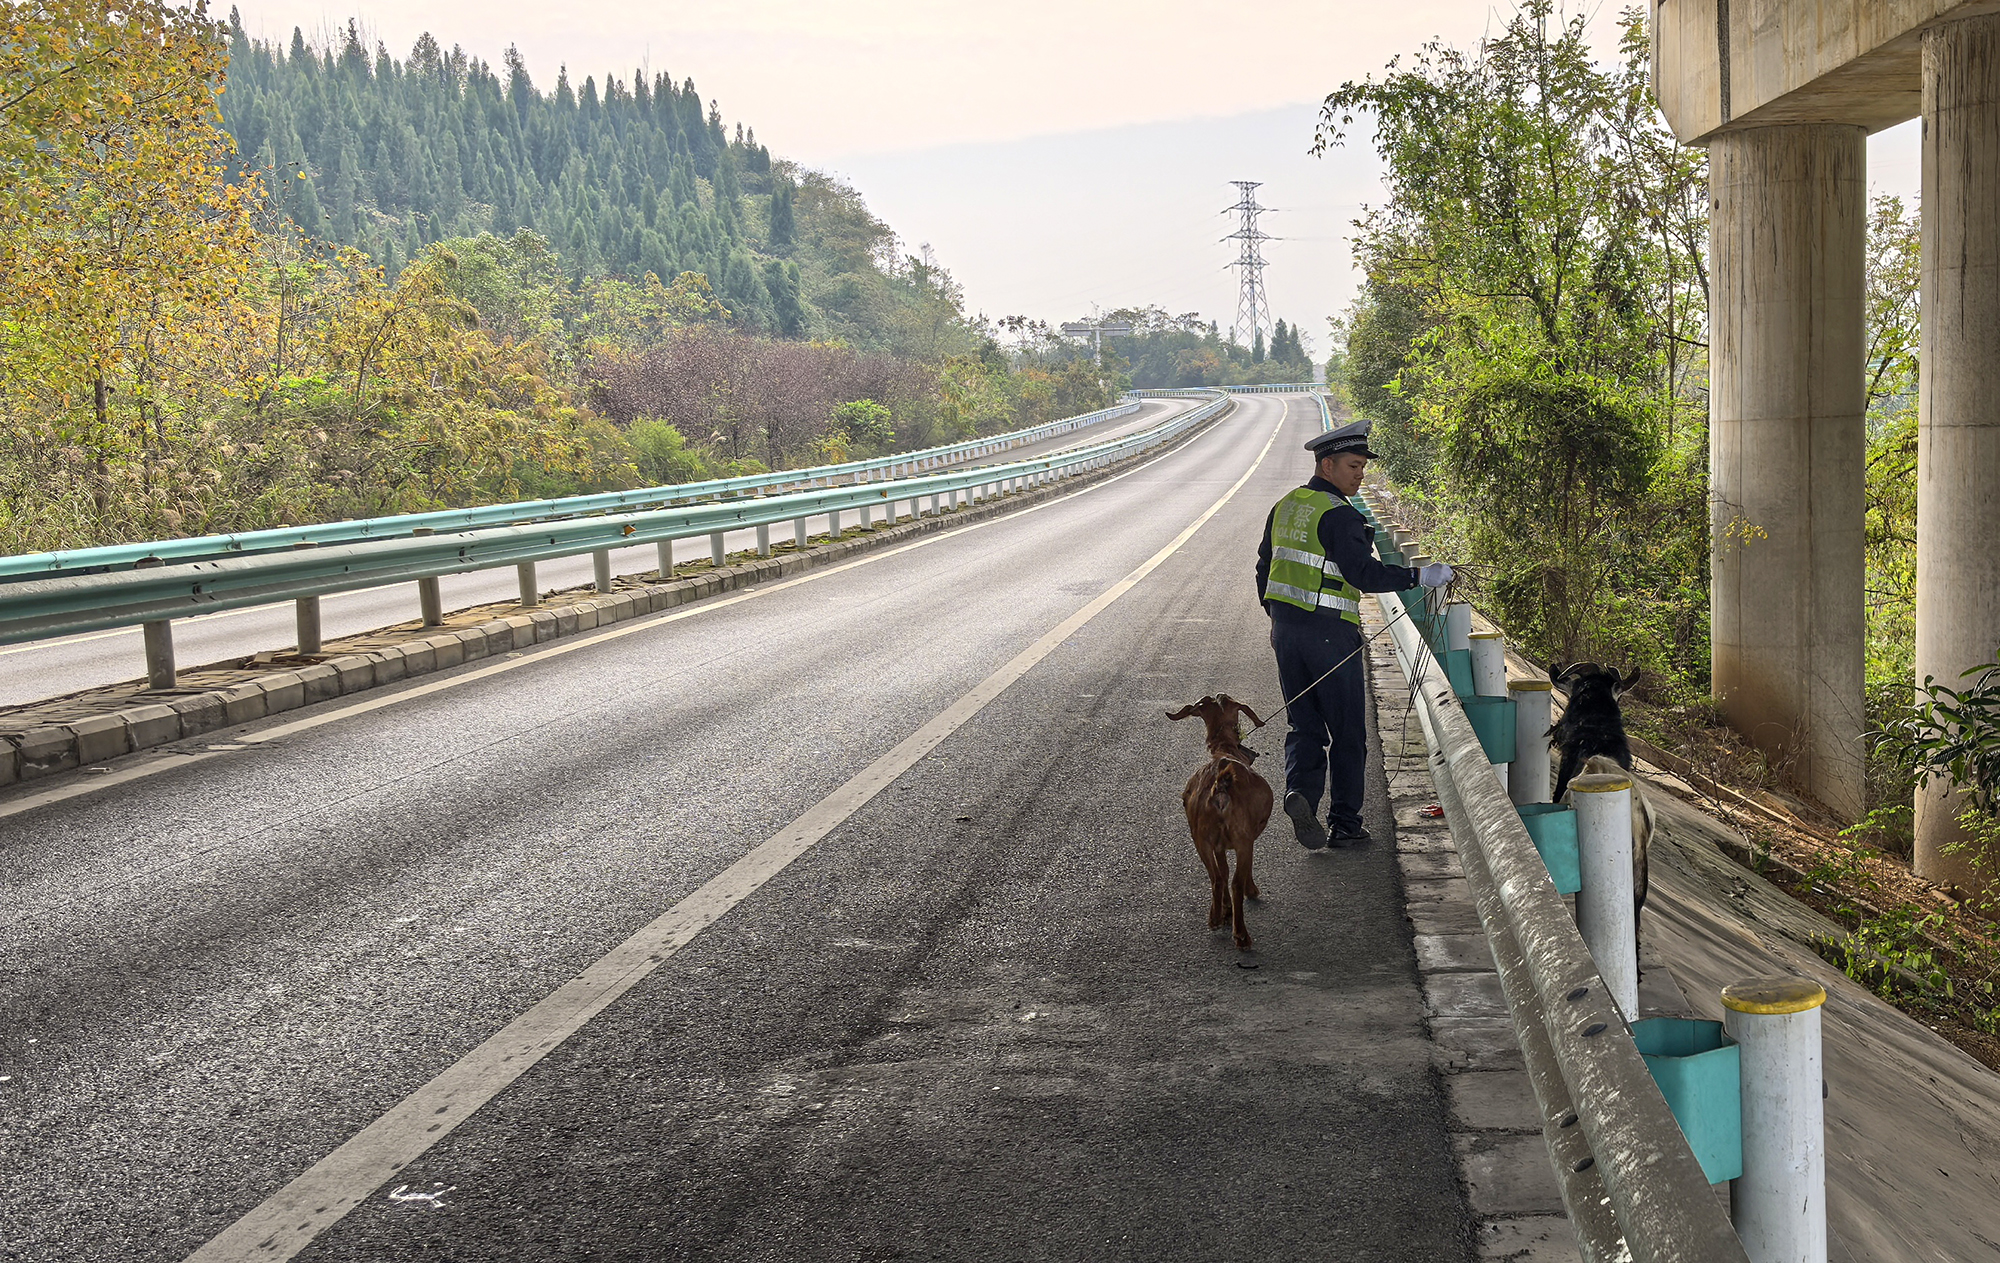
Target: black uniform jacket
[(1349, 542)]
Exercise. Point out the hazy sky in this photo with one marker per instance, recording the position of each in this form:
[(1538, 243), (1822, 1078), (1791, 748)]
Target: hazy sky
[(1055, 155)]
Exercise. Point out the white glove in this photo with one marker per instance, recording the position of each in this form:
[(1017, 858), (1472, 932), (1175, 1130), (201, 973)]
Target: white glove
[(1435, 575)]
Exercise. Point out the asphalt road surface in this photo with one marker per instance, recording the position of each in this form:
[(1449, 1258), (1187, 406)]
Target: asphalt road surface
[(49, 668), (851, 917)]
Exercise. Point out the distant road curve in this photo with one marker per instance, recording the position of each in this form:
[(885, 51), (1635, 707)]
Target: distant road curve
[(43, 669)]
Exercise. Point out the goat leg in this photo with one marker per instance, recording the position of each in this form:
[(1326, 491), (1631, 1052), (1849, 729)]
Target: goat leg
[(1572, 761), (1236, 892)]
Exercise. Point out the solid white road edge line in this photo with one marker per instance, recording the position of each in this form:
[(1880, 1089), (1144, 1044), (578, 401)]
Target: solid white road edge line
[(168, 760), (292, 1217)]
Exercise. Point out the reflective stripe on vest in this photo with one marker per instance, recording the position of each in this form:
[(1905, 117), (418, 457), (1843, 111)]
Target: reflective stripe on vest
[(1301, 573)]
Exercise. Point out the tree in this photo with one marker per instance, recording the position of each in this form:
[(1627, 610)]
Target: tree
[(1534, 371), (122, 238)]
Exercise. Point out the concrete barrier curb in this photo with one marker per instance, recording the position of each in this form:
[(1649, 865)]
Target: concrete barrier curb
[(31, 753)]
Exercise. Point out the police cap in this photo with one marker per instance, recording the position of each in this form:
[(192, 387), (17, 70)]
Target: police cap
[(1352, 437)]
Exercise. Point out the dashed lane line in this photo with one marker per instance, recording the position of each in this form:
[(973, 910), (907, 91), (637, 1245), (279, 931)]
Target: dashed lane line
[(298, 1213)]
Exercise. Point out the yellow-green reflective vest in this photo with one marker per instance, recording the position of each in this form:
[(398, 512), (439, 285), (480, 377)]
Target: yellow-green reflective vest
[(1301, 573)]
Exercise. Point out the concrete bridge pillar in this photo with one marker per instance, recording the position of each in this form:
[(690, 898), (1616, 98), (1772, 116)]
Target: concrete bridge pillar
[(1958, 428), (1788, 239)]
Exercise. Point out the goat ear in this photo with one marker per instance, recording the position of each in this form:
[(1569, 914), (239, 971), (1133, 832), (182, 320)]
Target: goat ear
[(1254, 717), (1626, 685), (1182, 713), (1556, 672)]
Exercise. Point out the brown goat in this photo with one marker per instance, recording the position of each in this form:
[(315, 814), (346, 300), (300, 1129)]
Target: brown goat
[(1228, 806)]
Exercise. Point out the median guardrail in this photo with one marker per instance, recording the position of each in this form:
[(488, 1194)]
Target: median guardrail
[(248, 543), (153, 595), (1632, 1186)]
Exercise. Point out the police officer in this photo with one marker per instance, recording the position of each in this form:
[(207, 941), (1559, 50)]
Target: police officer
[(1316, 560)]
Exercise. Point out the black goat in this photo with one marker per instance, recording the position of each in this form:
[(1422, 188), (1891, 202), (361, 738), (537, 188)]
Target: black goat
[(1590, 737)]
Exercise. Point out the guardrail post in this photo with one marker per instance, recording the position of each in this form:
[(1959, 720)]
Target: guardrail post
[(799, 535), (763, 539), (600, 569), (1604, 911), (160, 672), (663, 553), (1528, 781), (429, 599), (718, 553), (306, 616), (1489, 664), (1457, 623), (833, 524), (531, 591), (1779, 1202)]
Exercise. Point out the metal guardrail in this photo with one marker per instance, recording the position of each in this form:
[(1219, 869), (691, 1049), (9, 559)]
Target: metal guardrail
[(1631, 1185), (36, 609), (249, 543)]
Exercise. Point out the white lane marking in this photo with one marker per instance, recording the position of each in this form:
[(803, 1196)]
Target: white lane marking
[(149, 765), (291, 1218)]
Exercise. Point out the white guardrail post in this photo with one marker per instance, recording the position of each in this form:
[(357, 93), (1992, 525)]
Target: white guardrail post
[(1604, 912), (1528, 780), (531, 591), (1779, 1202), (1457, 622), (1489, 677)]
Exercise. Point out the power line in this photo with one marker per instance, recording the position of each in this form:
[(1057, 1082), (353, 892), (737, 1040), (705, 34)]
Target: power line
[(1253, 309)]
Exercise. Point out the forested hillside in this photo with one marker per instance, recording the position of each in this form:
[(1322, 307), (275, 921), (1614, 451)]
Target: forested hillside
[(622, 176), (423, 282)]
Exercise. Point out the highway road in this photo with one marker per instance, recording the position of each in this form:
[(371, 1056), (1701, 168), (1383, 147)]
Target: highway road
[(847, 917), (42, 669)]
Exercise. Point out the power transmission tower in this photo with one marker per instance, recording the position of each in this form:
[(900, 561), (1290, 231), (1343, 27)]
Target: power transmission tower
[(1253, 310)]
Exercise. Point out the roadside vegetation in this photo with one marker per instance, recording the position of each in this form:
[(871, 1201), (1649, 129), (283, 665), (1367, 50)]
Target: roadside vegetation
[(1530, 341), (244, 286)]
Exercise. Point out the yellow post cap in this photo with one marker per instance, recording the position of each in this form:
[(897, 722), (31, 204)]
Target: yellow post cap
[(1774, 995), (1529, 686), (1600, 783), (1485, 635)]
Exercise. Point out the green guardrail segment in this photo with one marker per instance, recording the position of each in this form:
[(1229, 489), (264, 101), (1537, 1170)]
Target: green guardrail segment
[(1492, 718), (251, 543), (1458, 670), (1552, 828), (36, 609), (1700, 1071)]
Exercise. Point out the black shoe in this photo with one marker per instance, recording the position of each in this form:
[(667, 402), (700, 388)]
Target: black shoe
[(1305, 823), (1359, 837)]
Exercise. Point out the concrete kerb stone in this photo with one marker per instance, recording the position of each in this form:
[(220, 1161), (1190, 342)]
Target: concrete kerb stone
[(148, 726), (244, 703), (48, 749), (100, 737), (45, 750), (1503, 1160)]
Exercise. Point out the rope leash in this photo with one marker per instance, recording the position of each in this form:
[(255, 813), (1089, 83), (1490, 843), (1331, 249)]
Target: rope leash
[(1365, 642)]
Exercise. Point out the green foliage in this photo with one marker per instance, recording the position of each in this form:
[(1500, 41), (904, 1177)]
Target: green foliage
[(1533, 289), (662, 455), (1951, 734), (864, 422)]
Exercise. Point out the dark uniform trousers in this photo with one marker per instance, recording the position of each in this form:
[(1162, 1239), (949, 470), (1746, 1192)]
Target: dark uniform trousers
[(1327, 716)]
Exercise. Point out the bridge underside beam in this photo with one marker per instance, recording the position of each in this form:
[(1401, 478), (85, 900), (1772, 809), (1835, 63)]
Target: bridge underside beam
[(1788, 246)]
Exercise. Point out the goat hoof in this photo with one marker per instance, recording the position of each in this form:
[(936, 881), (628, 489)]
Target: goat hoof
[(1244, 944)]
